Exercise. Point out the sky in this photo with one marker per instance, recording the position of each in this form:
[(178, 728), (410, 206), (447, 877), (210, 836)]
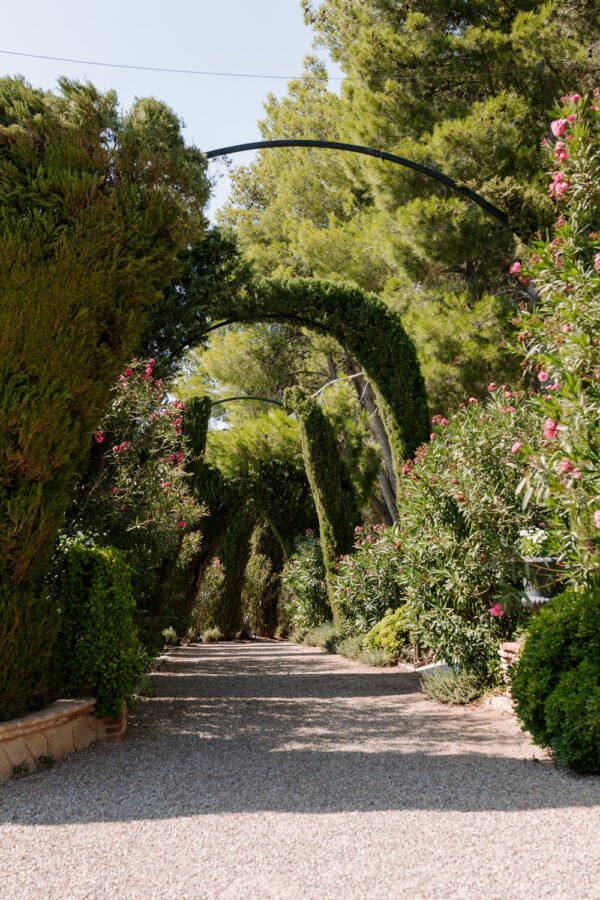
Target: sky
[(240, 36)]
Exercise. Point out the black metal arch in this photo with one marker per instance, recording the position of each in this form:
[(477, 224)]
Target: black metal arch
[(489, 208), (262, 399)]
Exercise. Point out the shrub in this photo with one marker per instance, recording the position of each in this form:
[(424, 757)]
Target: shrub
[(170, 636), (459, 524), (366, 584), (212, 635), (558, 340), (353, 648), (137, 490), (99, 650), (326, 636), (304, 590), (391, 635), (455, 686), (556, 680)]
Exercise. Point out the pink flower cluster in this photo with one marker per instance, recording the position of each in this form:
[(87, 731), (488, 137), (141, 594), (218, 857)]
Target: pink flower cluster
[(597, 263), (559, 186), (597, 518), (99, 436), (120, 448), (550, 429), (439, 420), (496, 610)]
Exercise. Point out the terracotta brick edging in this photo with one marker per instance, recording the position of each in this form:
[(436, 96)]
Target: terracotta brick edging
[(39, 738)]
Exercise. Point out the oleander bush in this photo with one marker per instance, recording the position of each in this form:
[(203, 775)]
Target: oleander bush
[(559, 287), (366, 583), (99, 651), (304, 597), (458, 529), (556, 680)]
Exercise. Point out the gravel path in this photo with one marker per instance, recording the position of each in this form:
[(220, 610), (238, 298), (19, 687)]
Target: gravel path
[(266, 770)]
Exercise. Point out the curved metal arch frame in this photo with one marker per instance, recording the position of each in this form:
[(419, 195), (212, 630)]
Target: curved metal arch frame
[(484, 204)]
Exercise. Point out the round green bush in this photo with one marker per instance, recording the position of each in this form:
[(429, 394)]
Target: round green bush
[(391, 635), (556, 681)]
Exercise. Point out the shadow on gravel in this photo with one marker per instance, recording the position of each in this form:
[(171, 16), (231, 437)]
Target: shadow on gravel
[(270, 727)]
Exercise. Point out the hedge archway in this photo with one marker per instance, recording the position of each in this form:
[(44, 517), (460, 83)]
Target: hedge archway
[(364, 326)]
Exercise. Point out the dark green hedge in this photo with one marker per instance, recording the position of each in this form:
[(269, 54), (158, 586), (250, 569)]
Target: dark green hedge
[(362, 324), (90, 233), (330, 482), (99, 652), (226, 613)]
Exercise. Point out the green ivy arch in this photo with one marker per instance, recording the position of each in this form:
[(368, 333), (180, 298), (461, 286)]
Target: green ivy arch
[(364, 326)]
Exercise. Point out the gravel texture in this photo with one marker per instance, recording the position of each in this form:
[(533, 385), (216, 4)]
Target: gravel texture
[(264, 770)]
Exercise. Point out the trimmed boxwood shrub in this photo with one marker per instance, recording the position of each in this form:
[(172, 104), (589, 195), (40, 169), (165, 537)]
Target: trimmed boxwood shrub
[(99, 652), (556, 681)]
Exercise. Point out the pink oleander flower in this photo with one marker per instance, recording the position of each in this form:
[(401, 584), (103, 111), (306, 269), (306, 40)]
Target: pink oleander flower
[(566, 327), (406, 468), (492, 386), (433, 436), (128, 372), (558, 127), (550, 429), (114, 490), (443, 422), (165, 484), (597, 263), (181, 523), (99, 436), (516, 447), (564, 466), (574, 98), (560, 185), (308, 532), (543, 377), (571, 117), (473, 400), (515, 268), (358, 529), (179, 457), (496, 610), (597, 518), (560, 151)]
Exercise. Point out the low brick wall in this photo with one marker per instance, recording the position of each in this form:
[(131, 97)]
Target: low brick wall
[(37, 739)]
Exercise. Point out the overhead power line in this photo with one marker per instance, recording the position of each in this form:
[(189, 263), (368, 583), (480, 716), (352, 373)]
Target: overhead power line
[(466, 77), (107, 65)]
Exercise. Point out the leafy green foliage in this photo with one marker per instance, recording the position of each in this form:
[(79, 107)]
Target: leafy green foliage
[(305, 602), (558, 339), (95, 208), (556, 680), (392, 634), (366, 584), (452, 686), (99, 650)]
